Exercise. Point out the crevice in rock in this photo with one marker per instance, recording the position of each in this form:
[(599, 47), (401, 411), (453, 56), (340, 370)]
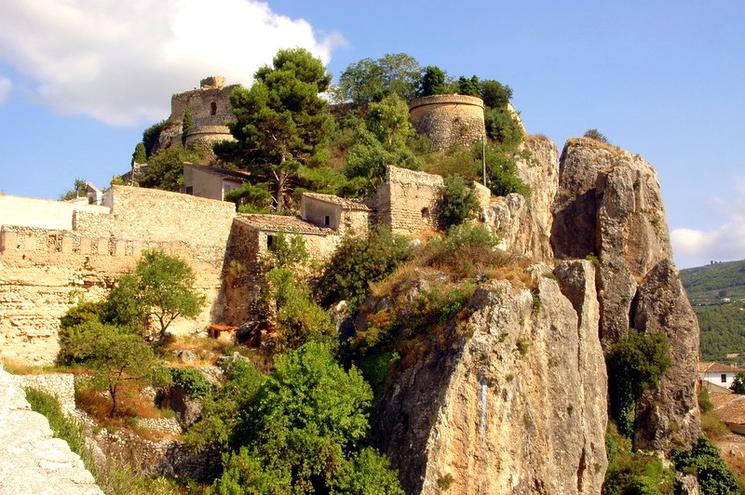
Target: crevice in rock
[(581, 470)]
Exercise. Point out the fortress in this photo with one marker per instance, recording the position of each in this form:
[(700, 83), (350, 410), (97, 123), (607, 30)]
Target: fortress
[(54, 253)]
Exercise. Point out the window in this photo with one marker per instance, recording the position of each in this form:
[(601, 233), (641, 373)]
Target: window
[(327, 220), (269, 241), (425, 213), (213, 108), (189, 189), (724, 378)]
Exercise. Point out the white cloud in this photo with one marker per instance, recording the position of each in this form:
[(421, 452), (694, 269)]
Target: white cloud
[(119, 61), (725, 242), (5, 87)]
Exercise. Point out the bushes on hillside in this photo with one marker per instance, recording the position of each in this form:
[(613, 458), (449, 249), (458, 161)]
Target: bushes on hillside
[(466, 251), (458, 201), (359, 262), (705, 461), (636, 362)]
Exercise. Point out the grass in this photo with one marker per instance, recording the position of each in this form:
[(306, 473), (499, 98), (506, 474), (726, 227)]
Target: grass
[(113, 477)]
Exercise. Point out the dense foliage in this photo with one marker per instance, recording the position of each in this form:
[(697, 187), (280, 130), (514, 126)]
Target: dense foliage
[(368, 80), (705, 461), (191, 381), (738, 384), (165, 168), (636, 362), (631, 473), (359, 262), (151, 135), (281, 121), (432, 82), (305, 429), (458, 201), (139, 155)]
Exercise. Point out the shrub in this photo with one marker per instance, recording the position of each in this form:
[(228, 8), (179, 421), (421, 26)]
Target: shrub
[(359, 262), (191, 380), (62, 427), (367, 473), (298, 318), (458, 201), (466, 250), (636, 362), (738, 384), (251, 198), (502, 127), (704, 402), (501, 170), (151, 135), (165, 169), (495, 94), (704, 459), (469, 87), (596, 135), (288, 251)]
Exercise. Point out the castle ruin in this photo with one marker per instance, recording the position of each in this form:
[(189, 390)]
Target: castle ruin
[(449, 120)]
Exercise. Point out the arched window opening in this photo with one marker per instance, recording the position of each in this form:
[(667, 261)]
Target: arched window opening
[(213, 107)]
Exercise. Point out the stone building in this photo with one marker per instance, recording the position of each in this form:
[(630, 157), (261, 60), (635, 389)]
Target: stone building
[(210, 108), (449, 120), (339, 214), (211, 182)]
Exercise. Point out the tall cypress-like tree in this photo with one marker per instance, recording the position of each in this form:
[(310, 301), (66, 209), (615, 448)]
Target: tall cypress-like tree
[(281, 122)]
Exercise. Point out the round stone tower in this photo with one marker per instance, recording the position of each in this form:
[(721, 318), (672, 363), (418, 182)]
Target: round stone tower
[(210, 109), (449, 119)]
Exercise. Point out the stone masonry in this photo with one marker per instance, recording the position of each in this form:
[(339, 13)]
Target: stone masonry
[(33, 461), (449, 120)]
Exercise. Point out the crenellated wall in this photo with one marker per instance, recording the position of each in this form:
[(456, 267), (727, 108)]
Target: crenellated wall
[(43, 272)]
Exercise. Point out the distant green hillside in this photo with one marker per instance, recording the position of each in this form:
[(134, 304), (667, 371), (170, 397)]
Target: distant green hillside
[(722, 323), (705, 283)]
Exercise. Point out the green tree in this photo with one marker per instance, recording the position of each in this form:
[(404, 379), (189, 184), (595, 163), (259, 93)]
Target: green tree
[(165, 169), (495, 94), (432, 81), (305, 430), (368, 80), (281, 122), (297, 317), (164, 289), (187, 124), (382, 141), (596, 135), (738, 384), (458, 201), (151, 135), (288, 251), (502, 127), (636, 362), (469, 86), (251, 198), (501, 170), (77, 191), (139, 155), (117, 358), (359, 262)]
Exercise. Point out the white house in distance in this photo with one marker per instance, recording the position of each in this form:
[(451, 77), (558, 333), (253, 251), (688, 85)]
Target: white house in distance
[(718, 374)]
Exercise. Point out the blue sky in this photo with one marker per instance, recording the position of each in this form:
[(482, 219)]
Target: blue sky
[(80, 79)]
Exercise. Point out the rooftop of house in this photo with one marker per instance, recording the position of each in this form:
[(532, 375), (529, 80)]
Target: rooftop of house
[(221, 172), (714, 367), (281, 223), (345, 203), (728, 407)]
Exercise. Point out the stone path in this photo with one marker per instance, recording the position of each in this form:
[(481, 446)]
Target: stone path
[(32, 461)]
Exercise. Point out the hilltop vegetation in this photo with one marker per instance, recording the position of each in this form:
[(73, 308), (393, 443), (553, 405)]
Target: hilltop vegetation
[(722, 322)]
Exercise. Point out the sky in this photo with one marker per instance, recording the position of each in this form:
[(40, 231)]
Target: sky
[(81, 79)]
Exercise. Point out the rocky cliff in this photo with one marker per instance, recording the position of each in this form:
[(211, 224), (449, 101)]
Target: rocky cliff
[(609, 206), (517, 404)]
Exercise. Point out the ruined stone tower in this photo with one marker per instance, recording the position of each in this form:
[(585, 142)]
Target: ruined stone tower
[(449, 119), (210, 108)]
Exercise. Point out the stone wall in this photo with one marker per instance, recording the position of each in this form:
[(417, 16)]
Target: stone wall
[(407, 200), (449, 120), (33, 461), (43, 272), (42, 213)]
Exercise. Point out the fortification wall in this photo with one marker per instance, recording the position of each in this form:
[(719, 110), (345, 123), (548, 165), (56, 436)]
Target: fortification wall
[(449, 120), (199, 102), (43, 213), (43, 272), (407, 200)]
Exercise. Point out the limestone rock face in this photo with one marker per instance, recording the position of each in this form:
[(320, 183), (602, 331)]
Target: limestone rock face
[(33, 461), (609, 206), (524, 224), (516, 404)]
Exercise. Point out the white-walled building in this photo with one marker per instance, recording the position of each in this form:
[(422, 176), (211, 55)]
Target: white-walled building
[(718, 374)]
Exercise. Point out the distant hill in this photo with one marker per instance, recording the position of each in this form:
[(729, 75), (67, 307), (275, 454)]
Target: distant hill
[(717, 293)]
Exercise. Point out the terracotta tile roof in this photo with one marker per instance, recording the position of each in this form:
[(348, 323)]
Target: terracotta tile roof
[(714, 367), (347, 204), (281, 223), (729, 408)]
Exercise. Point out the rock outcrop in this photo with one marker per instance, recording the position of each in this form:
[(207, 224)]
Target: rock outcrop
[(609, 206), (524, 223), (32, 460), (516, 404)]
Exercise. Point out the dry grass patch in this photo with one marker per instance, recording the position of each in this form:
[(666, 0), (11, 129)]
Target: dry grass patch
[(133, 404)]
